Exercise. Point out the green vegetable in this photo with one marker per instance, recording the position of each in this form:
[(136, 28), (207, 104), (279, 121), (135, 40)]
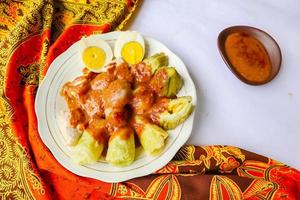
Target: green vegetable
[(174, 113), (166, 82), (152, 137), (88, 150), (121, 147), (156, 61)]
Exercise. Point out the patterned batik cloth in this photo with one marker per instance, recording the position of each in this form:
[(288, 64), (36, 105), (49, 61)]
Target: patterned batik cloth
[(32, 35)]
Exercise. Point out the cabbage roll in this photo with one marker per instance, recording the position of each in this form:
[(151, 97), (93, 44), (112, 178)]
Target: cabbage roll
[(121, 147), (89, 148), (151, 136)]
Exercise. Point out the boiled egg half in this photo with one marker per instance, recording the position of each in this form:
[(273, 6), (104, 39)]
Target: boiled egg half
[(130, 46), (95, 53)]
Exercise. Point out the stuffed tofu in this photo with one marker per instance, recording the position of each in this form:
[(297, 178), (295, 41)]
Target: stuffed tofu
[(143, 99)]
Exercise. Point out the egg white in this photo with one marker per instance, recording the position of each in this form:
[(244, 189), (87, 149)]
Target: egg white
[(124, 38)]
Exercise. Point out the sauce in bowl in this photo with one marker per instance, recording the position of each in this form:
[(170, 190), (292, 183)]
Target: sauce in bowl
[(248, 57), (251, 54)]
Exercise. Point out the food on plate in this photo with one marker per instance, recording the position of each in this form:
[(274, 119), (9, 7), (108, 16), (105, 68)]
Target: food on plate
[(122, 71), (143, 99), (121, 147), (87, 150), (166, 82), (130, 46), (116, 95), (151, 136), (101, 81), (129, 103), (145, 69), (169, 113), (156, 61), (248, 57), (71, 135), (95, 53), (91, 143), (73, 93)]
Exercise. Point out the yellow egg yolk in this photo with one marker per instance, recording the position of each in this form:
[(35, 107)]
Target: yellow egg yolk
[(132, 52), (93, 57)]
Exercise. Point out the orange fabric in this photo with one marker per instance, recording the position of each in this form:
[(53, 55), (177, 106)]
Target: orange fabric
[(32, 35)]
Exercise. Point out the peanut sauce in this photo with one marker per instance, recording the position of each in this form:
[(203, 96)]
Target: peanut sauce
[(141, 72), (248, 57), (158, 108), (97, 129), (124, 133), (103, 103), (143, 99), (157, 83)]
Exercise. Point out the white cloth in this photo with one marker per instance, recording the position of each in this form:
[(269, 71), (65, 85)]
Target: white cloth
[(263, 119)]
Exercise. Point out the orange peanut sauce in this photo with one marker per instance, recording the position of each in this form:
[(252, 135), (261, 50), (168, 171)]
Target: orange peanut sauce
[(157, 82), (123, 133), (248, 57), (104, 103)]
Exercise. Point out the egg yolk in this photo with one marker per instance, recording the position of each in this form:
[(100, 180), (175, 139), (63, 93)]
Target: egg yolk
[(132, 52), (93, 57)]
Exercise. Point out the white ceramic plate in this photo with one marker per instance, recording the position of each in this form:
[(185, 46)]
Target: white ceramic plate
[(49, 105)]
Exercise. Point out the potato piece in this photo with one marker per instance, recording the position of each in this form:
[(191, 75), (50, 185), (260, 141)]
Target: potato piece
[(117, 95)]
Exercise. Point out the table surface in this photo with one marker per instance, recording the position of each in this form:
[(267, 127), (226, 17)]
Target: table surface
[(263, 119)]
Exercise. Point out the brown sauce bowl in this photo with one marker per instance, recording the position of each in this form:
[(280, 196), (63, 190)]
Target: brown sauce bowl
[(266, 40)]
